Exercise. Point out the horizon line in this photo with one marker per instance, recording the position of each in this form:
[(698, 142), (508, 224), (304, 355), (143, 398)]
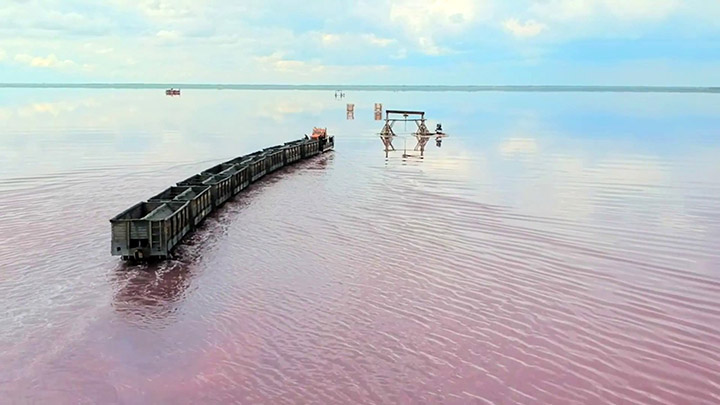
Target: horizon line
[(376, 87)]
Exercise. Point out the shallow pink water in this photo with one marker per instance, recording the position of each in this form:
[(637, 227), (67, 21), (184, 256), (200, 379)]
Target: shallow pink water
[(525, 264)]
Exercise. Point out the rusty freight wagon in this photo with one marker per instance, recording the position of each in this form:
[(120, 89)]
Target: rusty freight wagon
[(149, 229), (200, 198), (220, 186)]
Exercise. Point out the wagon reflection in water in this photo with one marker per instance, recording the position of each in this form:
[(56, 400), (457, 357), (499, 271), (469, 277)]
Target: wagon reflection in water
[(153, 228)]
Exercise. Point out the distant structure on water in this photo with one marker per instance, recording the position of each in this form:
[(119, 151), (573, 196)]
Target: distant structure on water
[(422, 135), (378, 111), (172, 92), (339, 94)]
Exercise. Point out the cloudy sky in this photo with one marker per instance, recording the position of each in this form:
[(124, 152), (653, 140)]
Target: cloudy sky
[(601, 42)]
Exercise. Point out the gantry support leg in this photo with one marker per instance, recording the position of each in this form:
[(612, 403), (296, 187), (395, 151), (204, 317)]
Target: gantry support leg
[(387, 141), (421, 142)]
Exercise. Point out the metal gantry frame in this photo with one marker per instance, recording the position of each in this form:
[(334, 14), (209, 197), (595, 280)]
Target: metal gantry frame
[(422, 135)]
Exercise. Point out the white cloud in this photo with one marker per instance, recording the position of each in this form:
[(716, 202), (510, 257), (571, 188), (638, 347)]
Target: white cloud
[(330, 39), (98, 49), (168, 36), (165, 10), (600, 10), (401, 54), (277, 62), (528, 29), (372, 39), (51, 61), (419, 16), (138, 39), (429, 47), (312, 71), (563, 9), (642, 9), (428, 21), (347, 40)]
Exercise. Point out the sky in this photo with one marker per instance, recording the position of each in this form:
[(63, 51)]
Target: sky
[(445, 42)]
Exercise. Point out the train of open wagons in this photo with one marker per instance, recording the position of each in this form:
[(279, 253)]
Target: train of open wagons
[(151, 229)]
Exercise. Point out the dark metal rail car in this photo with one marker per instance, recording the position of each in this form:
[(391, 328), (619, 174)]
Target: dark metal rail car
[(221, 186), (240, 160), (200, 198), (259, 167), (243, 174), (238, 173), (327, 144), (255, 162), (274, 159), (295, 142), (310, 148), (292, 153), (149, 229), (271, 148)]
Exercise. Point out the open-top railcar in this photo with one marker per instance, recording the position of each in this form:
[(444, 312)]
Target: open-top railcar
[(275, 158), (310, 147), (149, 229), (255, 162), (152, 229), (200, 198), (239, 173), (292, 152), (221, 186)]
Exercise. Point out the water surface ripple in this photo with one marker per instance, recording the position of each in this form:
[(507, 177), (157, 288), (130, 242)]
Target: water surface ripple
[(550, 267)]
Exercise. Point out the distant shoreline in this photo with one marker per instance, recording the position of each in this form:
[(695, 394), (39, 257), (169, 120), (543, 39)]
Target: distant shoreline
[(326, 87)]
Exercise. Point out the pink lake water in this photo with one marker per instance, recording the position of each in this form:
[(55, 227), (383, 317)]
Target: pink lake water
[(558, 248)]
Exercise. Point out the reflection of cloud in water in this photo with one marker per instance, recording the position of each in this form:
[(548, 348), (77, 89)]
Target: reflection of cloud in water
[(460, 165), (279, 109), (55, 108), (518, 146), (576, 188)]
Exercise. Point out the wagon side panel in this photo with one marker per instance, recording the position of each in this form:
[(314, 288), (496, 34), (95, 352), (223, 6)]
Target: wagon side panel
[(120, 238)]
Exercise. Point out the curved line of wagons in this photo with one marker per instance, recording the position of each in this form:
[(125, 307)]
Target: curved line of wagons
[(152, 228)]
